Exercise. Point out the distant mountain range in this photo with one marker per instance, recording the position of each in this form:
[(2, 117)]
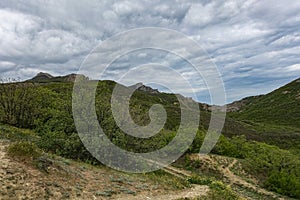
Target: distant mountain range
[(279, 106), (272, 118)]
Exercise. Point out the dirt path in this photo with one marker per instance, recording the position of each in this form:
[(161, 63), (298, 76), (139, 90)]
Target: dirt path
[(19, 180), (233, 179), (180, 173), (194, 192)]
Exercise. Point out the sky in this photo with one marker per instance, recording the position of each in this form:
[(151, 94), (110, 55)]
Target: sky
[(254, 44)]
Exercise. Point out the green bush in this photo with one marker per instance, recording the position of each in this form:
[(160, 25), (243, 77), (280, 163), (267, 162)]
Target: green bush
[(278, 169), (284, 182), (221, 191), (233, 147), (218, 190), (16, 134), (24, 150)]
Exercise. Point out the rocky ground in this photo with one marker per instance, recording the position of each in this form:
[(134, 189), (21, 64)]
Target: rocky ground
[(66, 179)]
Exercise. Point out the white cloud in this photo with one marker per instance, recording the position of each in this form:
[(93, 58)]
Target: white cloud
[(248, 40), (199, 15), (126, 7), (295, 67), (288, 40)]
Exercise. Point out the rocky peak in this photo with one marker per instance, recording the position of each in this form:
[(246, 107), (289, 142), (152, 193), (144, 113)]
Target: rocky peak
[(144, 88), (45, 77), (42, 75), (72, 77)]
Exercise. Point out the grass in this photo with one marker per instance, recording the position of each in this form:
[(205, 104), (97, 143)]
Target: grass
[(218, 188), (281, 107), (24, 150), (16, 134), (272, 118), (251, 193), (167, 180)]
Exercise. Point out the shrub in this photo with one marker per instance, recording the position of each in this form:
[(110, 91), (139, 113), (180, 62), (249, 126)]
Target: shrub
[(221, 191), (284, 183), (278, 169), (234, 147), (24, 150), (218, 190)]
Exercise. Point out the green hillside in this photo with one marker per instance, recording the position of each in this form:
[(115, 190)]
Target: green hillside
[(273, 118), (44, 105), (280, 107)]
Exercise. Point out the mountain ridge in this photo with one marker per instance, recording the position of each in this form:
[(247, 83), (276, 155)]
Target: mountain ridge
[(43, 77), (281, 106), (45, 108), (235, 106)]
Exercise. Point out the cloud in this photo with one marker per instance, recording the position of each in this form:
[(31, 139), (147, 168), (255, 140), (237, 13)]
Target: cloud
[(294, 68), (199, 15), (250, 41)]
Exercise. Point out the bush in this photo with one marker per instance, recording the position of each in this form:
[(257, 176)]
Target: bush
[(218, 190), (284, 182), (221, 191), (278, 169), (24, 150), (233, 147)]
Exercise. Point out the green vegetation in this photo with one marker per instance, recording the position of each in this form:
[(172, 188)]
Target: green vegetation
[(24, 150), (280, 107), (221, 191), (218, 189), (277, 169), (273, 118), (45, 109)]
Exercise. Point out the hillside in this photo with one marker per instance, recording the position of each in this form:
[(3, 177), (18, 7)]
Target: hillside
[(22, 177), (280, 107), (43, 105), (273, 118), (28, 172)]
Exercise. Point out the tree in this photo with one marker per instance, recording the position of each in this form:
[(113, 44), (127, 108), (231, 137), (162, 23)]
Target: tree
[(17, 103)]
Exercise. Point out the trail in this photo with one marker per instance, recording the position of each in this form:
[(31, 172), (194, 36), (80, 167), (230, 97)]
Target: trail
[(194, 192), (180, 173), (233, 179), (20, 181)]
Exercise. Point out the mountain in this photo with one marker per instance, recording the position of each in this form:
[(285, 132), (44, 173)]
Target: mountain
[(45, 109), (42, 77), (142, 87), (48, 78), (280, 107), (272, 118)]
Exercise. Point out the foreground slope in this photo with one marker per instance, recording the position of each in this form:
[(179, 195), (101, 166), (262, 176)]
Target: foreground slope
[(67, 179), (25, 175)]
